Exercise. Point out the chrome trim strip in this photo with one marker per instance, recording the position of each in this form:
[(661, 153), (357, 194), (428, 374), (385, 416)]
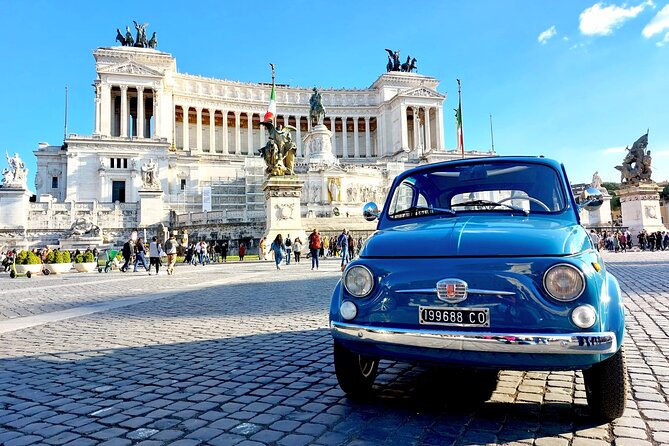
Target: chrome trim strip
[(528, 343), (470, 291)]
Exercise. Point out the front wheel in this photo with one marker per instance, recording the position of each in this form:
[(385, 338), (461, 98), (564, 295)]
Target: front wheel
[(29, 274), (355, 373), (12, 274), (606, 387), (45, 271)]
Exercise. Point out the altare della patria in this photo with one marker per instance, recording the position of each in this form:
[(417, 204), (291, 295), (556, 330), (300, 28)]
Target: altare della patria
[(198, 155)]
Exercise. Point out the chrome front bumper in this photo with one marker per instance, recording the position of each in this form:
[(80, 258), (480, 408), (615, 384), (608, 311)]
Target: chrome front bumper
[(567, 344)]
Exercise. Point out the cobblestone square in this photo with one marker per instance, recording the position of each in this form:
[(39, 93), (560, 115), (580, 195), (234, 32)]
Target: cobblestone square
[(240, 353)]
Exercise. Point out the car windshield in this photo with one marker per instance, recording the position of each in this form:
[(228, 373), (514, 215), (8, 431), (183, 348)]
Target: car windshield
[(448, 190)]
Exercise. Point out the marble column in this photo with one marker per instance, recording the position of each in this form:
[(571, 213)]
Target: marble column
[(105, 109), (428, 137), (249, 136), (440, 127), (140, 112), (368, 139), (333, 127), (224, 134), (98, 110), (404, 130), (198, 129), (298, 135), (155, 131), (124, 111), (212, 130), (185, 132), (238, 133), (356, 143), (344, 136)]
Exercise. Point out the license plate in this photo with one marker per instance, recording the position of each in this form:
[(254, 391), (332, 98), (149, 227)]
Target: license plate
[(454, 317)]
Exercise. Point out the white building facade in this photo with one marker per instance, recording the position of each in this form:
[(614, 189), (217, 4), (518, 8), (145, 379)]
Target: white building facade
[(204, 134)]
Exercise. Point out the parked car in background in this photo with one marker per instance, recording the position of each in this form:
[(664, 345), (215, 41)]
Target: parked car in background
[(482, 263)]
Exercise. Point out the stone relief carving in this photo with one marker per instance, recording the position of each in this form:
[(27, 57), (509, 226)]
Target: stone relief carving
[(150, 175), (284, 212), (650, 211)]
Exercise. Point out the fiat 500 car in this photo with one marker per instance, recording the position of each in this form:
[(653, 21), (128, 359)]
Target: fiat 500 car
[(482, 263)]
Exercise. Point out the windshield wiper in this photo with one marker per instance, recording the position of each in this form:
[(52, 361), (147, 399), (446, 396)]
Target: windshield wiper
[(488, 203), (419, 211)]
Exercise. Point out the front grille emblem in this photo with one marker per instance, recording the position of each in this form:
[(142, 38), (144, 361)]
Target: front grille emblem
[(452, 290)]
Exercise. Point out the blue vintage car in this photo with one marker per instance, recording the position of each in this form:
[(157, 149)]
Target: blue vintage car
[(482, 263)]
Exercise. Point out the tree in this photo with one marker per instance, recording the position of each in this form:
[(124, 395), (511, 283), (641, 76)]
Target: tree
[(613, 189)]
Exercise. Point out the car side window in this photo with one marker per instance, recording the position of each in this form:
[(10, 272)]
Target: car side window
[(402, 198)]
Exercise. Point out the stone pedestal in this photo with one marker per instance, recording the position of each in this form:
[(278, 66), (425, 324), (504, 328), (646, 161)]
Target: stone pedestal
[(14, 203), (150, 207), (282, 197), (640, 207), (318, 146)]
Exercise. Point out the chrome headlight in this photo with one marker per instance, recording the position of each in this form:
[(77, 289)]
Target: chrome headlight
[(564, 282), (358, 281)]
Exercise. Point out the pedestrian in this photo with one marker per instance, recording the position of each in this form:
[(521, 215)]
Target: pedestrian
[(314, 247), (224, 251), (289, 248), (155, 251), (128, 248), (297, 249), (343, 246), (278, 247), (140, 251), (595, 239), (242, 251), (171, 251), (261, 248)]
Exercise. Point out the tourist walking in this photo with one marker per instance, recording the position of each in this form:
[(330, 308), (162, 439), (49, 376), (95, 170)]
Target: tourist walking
[(289, 248), (154, 254), (128, 248), (297, 249), (171, 251), (140, 251), (314, 247), (224, 251), (242, 251), (261, 248), (278, 247), (343, 246)]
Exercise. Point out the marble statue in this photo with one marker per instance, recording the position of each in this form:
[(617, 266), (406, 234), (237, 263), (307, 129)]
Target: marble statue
[(83, 226), (596, 180), (150, 175), (17, 173), (333, 189)]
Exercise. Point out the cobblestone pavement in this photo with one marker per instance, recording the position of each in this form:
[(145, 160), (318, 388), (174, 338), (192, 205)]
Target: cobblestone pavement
[(240, 354)]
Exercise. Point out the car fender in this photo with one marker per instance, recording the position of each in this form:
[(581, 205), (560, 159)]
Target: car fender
[(612, 310)]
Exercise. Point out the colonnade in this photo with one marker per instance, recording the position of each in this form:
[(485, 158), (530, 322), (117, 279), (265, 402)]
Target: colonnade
[(115, 117), (239, 132)]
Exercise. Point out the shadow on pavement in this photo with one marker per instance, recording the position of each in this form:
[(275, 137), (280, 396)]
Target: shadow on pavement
[(262, 387)]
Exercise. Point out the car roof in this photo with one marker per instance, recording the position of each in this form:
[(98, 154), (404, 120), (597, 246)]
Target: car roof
[(491, 159)]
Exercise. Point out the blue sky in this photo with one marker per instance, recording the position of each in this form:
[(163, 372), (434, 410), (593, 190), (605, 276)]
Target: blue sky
[(572, 80)]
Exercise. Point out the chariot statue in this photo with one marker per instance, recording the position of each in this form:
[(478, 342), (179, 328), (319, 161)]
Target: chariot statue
[(279, 152), (316, 109)]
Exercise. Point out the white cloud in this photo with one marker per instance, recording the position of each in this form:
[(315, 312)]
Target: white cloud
[(601, 20), (547, 35), (611, 150), (658, 24), (664, 41), (659, 153)]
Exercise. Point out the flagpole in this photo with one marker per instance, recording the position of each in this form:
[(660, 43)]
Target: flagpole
[(461, 135), (273, 117), (492, 139)]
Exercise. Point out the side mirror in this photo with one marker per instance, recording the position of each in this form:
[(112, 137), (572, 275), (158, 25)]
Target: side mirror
[(590, 199), (370, 211)]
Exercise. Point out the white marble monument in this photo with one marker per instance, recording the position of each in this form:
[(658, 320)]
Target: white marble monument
[(282, 196)]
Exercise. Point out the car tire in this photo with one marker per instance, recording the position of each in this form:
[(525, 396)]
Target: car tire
[(606, 387), (355, 373)]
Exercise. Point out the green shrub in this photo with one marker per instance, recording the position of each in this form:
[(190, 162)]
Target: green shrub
[(27, 258), (66, 257), (50, 257), (57, 256), (79, 258), (89, 257)]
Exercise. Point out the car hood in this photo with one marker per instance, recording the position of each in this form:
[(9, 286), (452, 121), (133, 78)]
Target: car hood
[(479, 236)]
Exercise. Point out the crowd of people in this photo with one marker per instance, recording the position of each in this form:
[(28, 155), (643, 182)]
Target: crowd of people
[(317, 246), (621, 241)]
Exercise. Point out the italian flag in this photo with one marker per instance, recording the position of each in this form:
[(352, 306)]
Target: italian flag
[(271, 109), (461, 135)]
